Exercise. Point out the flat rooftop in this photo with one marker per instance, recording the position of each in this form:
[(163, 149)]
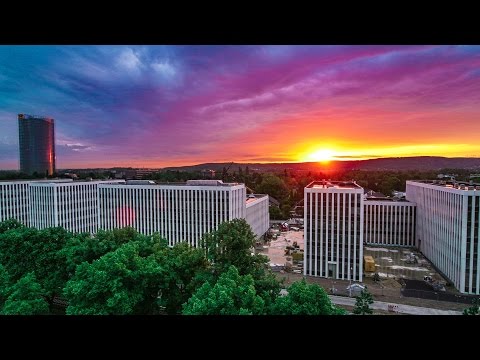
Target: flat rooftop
[(326, 184), (37, 117), (458, 185), (36, 180), (255, 198), (392, 200), (187, 183), (111, 181)]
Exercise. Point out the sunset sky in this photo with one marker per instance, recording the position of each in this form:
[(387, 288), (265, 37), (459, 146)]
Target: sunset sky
[(156, 106)]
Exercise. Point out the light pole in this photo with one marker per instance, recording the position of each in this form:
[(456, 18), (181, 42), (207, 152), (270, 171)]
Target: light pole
[(350, 287)]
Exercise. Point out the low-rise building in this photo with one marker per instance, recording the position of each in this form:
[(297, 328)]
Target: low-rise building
[(257, 214), (389, 222)]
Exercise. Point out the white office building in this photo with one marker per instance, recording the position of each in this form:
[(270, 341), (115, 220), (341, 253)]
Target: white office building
[(179, 212), (72, 205), (389, 223), (333, 231), (15, 199), (447, 229), (257, 214)]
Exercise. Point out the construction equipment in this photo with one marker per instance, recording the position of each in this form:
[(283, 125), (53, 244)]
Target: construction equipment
[(369, 263)]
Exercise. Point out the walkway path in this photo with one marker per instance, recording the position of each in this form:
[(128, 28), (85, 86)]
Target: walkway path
[(404, 309)]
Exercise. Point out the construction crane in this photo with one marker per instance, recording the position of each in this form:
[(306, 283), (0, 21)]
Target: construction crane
[(225, 173)]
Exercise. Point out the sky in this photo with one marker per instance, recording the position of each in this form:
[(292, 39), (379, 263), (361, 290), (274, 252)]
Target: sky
[(158, 106)]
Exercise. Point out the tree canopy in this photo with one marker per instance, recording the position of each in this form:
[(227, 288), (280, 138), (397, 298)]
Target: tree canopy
[(232, 294), (118, 283), (26, 298), (124, 272), (305, 299)]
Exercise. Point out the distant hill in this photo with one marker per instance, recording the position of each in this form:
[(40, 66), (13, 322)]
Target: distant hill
[(401, 163)]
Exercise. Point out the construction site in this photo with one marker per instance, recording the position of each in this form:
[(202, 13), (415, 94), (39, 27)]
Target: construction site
[(397, 274), (284, 247)]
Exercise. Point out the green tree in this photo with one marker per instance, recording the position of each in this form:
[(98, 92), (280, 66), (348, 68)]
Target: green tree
[(5, 283), (231, 244), (286, 208), (473, 310), (305, 299), (362, 305), (16, 251), (275, 213), (26, 298), (85, 247), (273, 185), (388, 184), (50, 267), (24, 250), (9, 225), (120, 282), (232, 294), (185, 270)]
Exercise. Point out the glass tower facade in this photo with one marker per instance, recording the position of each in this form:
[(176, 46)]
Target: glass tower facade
[(37, 144)]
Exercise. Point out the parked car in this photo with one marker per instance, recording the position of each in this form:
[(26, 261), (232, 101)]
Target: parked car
[(356, 287)]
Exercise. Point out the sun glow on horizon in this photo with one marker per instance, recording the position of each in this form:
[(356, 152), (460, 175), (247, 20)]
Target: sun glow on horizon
[(323, 155)]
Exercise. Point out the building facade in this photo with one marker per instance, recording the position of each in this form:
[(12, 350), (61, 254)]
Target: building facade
[(37, 144), (447, 229), (15, 199), (257, 214), (182, 212), (71, 205), (333, 230), (389, 223)]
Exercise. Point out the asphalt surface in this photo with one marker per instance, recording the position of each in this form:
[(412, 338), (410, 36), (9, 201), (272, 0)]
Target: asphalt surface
[(400, 308)]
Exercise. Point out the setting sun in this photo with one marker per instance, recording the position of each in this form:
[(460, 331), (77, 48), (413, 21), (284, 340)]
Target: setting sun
[(323, 155)]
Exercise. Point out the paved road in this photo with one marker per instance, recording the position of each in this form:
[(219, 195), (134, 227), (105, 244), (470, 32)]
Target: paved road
[(404, 309)]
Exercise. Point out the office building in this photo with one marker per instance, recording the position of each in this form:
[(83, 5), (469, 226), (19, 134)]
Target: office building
[(37, 144), (72, 205), (15, 199), (179, 212), (333, 232), (447, 229), (257, 213), (389, 222)]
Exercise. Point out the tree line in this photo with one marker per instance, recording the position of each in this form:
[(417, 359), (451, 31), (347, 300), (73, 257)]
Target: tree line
[(123, 272), (287, 186)]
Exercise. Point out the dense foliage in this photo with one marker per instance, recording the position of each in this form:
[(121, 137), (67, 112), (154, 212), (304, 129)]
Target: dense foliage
[(26, 297), (124, 272), (232, 294), (305, 299)]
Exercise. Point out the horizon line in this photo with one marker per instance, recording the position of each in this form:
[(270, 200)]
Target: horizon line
[(324, 163)]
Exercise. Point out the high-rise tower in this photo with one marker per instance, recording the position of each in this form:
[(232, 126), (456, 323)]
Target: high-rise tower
[(37, 144)]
